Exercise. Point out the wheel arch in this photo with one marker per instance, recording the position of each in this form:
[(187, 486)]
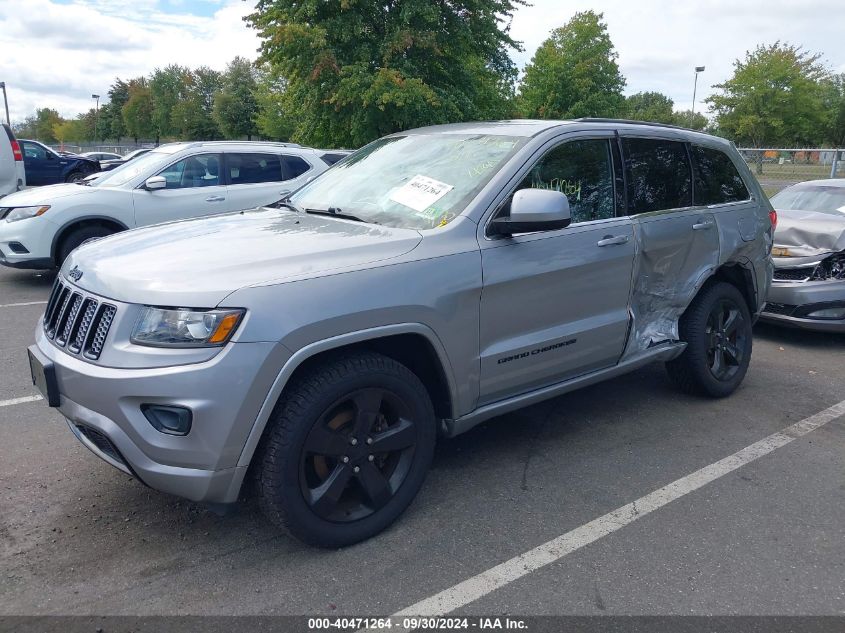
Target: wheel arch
[(79, 222), (413, 344), (739, 275)]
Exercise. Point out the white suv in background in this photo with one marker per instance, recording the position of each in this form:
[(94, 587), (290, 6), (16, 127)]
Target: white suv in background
[(40, 227), (12, 175)]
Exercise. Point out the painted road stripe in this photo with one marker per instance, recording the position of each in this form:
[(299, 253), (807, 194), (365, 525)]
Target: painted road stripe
[(9, 403), (25, 303), (499, 576)]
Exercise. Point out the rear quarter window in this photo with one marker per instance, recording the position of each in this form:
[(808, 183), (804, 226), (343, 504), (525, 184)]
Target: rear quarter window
[(294, 167), (717, 180)]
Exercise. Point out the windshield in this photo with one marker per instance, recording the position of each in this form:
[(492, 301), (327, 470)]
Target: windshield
[(417, 181), (147, 163), (819, 198)]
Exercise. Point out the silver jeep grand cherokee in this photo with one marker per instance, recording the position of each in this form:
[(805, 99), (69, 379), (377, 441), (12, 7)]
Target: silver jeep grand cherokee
[(432, 280)]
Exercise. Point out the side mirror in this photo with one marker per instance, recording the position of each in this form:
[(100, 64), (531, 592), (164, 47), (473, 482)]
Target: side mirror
[(534, 210), (155, 182), (49, 155)]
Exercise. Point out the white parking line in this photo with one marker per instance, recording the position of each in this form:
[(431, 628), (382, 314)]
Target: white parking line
[(497, 577), (9, 403), (25, 303)]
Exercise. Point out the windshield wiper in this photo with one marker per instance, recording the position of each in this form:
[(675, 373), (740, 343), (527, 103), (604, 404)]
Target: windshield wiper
[(285, 203), (335, 213)]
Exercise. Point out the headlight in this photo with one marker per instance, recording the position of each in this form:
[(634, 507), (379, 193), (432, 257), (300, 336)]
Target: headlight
[(22, 213), (183, 327)]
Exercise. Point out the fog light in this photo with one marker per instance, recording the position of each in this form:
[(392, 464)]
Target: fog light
[(828, 313), (169, 420), (17, 247)]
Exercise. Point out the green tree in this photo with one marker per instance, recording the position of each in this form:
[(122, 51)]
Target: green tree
[(26, 128), (235, 106), (45, 119), (686, 118), (70, 130), (574, 73), (357, 70), (112, 121), (272, 119), (166, 84), (650, 106), (138, 110), (773, 98), (834, 100), (191, 117)]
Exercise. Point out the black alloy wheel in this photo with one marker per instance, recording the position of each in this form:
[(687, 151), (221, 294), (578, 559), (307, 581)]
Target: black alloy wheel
[(357, 455)]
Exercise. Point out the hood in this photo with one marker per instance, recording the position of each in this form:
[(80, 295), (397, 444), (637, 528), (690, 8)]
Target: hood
[(197, 263), (809, 233), (43, 195)]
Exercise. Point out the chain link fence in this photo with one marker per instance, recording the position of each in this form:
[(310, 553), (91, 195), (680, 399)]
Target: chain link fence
[(778, 168)]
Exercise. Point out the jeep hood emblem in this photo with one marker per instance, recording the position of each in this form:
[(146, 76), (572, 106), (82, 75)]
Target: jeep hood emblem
[(75, 274)]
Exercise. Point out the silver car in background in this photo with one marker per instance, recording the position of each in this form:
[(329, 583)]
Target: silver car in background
[(808, 289), (431, 280)]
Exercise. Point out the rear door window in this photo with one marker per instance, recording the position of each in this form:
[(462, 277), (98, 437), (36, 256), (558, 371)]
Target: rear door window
[(717, 180), (254, 168), (658, 173)]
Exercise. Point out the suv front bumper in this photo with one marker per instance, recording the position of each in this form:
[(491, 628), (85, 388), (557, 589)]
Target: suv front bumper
[(102, 408)]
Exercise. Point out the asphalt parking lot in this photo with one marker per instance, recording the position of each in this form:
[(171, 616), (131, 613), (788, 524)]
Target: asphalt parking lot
[(761, 537)]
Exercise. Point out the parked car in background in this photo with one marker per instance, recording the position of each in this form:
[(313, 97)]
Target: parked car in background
[(114, 163), (39, 227), (12, 174), (434, 279), (101, 156), (808, 288), (45, 166)]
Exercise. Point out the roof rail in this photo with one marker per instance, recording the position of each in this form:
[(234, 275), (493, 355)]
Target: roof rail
[(270, 143), (630, 122)]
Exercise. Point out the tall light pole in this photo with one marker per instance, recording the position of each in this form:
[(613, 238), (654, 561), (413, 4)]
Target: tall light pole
[(96, 115), (698, 69), (6, 102)]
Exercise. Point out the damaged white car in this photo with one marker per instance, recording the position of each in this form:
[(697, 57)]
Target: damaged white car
[(808, 288)]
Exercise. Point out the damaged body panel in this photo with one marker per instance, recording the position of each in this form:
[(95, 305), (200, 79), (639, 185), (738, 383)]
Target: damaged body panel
[(808, 285)]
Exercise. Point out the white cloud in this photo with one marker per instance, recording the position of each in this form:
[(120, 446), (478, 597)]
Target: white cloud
[(57, 55), (660, 42)]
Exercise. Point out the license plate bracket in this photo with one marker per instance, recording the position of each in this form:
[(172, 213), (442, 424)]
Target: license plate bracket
[(44, 376)]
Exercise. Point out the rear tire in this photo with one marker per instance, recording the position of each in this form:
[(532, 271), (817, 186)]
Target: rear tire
[(347, 450), (77, 238), (717, 330)]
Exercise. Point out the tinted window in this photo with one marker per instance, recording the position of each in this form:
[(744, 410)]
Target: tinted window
[(584, 172), (658, 175), (716, 179), (294, 167), (254, 168), (194, 171)]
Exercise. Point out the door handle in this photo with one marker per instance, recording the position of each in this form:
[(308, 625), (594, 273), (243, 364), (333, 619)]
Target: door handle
[(215, 199), (702, 226), (610, 240)]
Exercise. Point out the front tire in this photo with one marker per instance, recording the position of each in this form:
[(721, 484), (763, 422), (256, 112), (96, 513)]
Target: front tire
[(77, 238), (74, 176), (348, 448), (717, 330)]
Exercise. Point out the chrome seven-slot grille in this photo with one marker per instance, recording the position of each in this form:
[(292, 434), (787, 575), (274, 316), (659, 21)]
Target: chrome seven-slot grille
[(77, 322)]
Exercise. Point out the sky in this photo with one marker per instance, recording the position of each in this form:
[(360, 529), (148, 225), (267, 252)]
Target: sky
[(57, 53)]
